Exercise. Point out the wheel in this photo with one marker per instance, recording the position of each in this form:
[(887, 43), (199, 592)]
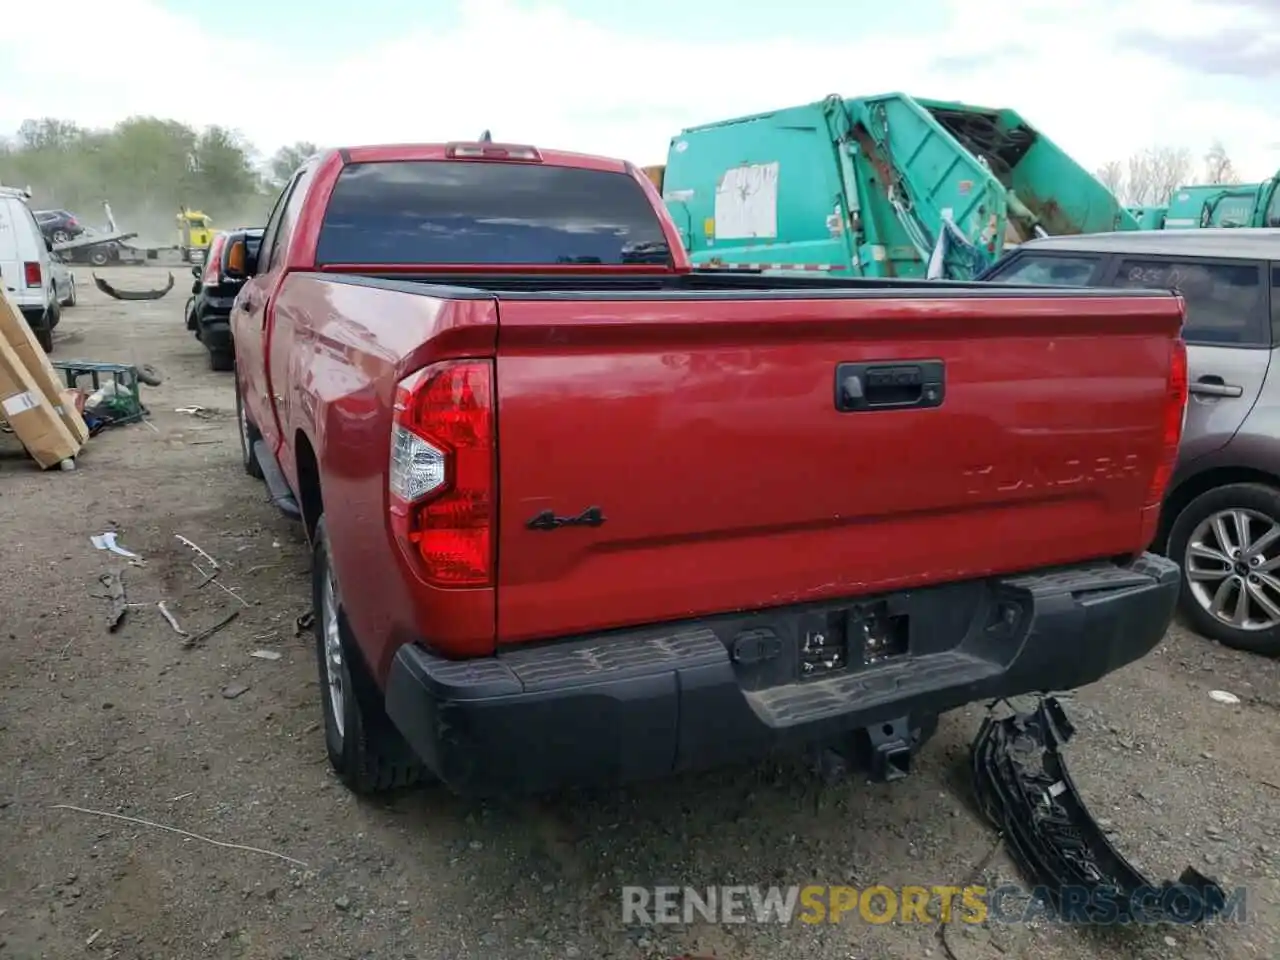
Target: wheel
[(71, 297), (365, 749), (53, 313), (61, 236), (248, 437), (222, 360), (99, 258), (44, 337), (1228, 543)]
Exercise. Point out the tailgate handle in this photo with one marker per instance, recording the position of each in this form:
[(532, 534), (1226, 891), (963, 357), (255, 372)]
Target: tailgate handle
[(890, 386), (1213, 386)]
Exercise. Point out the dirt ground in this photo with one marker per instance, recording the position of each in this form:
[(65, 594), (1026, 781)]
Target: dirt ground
[(134, 724)]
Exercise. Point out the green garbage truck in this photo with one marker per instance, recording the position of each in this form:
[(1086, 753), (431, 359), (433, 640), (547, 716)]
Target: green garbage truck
[(1224, 205), (884, 186)]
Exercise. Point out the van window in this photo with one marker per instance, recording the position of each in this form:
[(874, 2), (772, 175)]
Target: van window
[(1226, 300), (468, 212), (1047, 270)]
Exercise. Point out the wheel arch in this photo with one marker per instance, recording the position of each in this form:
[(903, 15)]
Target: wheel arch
[(310, 489), (1200, 483)]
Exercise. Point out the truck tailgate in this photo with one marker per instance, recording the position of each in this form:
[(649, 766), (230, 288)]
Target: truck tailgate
[(706, 433)]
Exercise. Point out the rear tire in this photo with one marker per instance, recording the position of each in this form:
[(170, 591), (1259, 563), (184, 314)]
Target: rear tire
[(248, 437), (99, 258), (222, 360), (365, 749), (44, 337), (1194, 529)]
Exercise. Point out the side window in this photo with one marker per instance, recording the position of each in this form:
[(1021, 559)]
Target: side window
[(1226, 300), (1275, 302), (267, 251), (1273, 211), (1045, 270)]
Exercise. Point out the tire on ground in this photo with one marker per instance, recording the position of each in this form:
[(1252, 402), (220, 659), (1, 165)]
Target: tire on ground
[(1257, 498), (366, 751)]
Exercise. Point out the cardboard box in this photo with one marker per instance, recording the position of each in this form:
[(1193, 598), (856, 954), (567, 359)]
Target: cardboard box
[(28, 411), (15, 330)]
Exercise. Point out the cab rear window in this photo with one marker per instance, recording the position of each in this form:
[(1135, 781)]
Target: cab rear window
[(480, 212)]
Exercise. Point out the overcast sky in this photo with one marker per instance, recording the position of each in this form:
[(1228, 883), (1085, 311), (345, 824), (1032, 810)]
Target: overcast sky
[(1102, 78)]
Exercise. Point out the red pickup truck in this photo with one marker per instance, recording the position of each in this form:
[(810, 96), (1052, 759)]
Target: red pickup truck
[(580, 513)]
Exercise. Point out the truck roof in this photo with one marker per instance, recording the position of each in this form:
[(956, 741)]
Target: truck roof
[(1244, 242), (391, 152)]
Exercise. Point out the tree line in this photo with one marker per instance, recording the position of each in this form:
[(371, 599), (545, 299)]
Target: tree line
[(146, 168), (1149, 177)]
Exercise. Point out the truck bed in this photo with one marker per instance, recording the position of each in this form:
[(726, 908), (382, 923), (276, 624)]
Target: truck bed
[(699, 415)]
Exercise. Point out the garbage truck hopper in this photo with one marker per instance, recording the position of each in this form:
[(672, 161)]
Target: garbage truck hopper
[(884, 186)]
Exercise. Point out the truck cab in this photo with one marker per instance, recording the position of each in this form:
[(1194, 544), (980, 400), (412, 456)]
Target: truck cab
[(195, 234)]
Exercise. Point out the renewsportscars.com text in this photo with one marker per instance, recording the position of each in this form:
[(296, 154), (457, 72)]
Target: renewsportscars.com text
[(876, 904)]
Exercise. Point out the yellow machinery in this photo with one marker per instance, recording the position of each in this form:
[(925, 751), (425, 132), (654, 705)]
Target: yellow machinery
[(195, 233)]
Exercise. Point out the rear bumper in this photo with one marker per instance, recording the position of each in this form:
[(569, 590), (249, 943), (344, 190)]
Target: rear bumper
[(214, 317), (648, 703)]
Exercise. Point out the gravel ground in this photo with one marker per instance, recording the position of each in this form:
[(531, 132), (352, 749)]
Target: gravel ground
[(132, 723)]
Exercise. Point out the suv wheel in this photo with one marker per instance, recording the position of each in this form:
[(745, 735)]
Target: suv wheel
[(248, 437), (365, 749), (1228, 544)]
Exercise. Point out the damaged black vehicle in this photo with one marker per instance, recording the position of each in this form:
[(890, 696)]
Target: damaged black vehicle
[(208, 312)]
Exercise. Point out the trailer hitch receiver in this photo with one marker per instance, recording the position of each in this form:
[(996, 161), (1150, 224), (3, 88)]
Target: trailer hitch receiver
[(890, 749)]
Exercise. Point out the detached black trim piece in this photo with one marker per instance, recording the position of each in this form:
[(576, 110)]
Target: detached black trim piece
[(111, 291), (649, 701), (1025, 791)]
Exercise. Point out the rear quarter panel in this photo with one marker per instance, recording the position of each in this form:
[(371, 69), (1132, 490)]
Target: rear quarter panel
[(350, 343)]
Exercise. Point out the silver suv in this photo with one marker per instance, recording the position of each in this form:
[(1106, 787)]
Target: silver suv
[(1221, 519)]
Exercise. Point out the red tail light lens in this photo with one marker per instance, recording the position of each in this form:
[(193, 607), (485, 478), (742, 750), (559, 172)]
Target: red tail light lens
[(1175, 418), (213, 262), (32, 273), (441, 473)]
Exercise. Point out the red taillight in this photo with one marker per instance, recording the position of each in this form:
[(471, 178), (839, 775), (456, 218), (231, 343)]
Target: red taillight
[(71, 222), (441, 472), (32, 273), (213, 263), (1175, 418)]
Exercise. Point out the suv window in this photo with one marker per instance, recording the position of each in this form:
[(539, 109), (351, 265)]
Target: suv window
[(1275, 302), (1047, 270), (1226, 300), (1273, 211), (456, 212)]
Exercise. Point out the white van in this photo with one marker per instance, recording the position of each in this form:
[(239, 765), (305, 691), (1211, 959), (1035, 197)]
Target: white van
[(24, 265)]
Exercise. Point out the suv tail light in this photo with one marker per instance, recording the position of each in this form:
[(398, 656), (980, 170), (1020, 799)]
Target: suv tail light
[(441, 473), (1175, 418), (213, 262), (33, 275)]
